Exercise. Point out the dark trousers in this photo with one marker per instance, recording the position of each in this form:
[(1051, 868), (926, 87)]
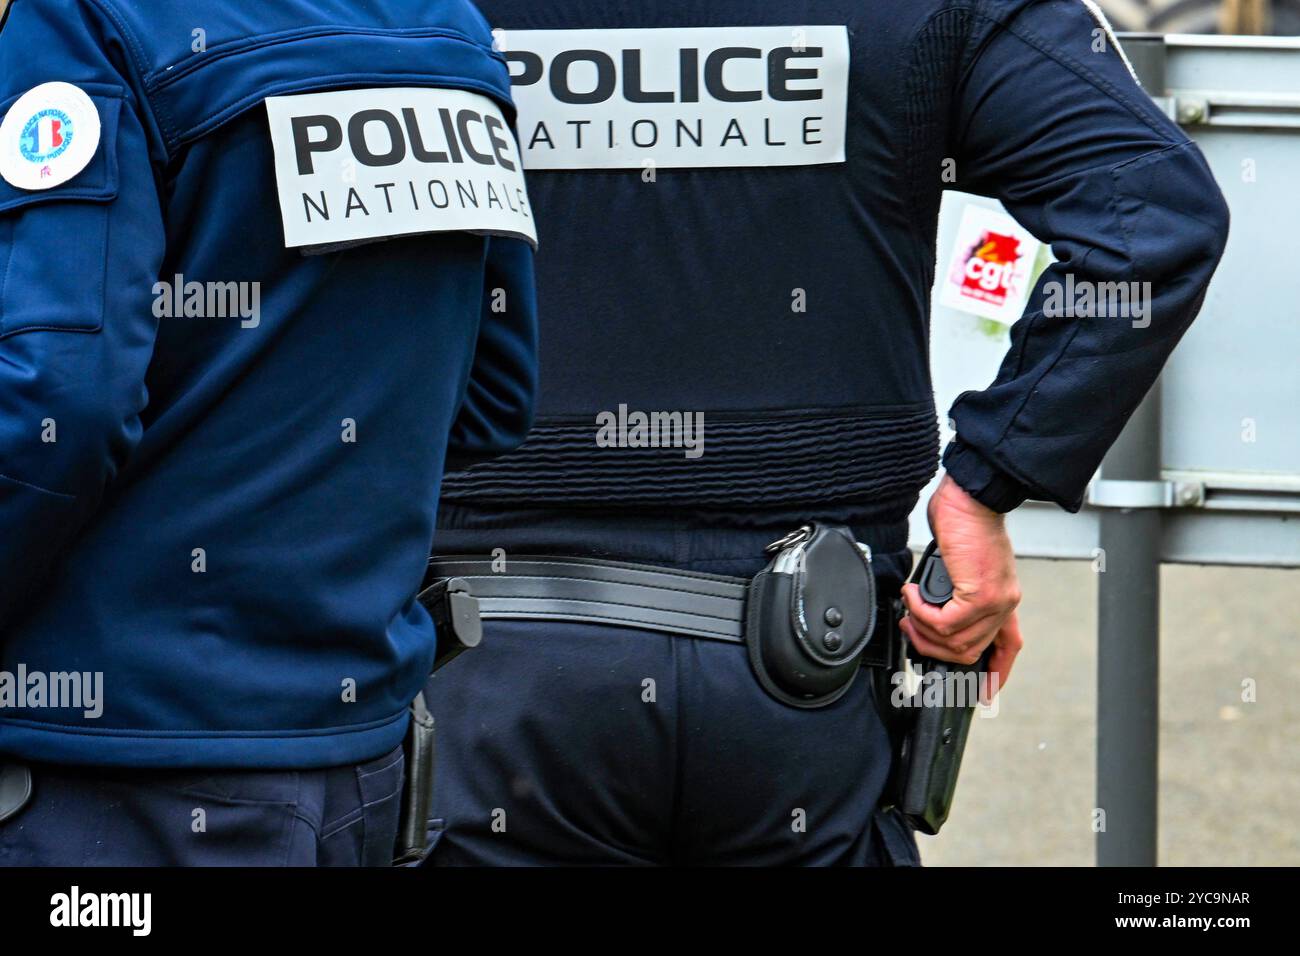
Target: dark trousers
[(89, 816), (563, 743), (583, 744)]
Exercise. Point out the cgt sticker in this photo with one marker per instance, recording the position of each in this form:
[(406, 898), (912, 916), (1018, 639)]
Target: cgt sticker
[(48, 136), (363, 165), (991, 265)]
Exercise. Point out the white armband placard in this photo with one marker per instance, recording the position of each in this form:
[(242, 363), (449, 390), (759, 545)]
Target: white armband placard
[(362, 165)]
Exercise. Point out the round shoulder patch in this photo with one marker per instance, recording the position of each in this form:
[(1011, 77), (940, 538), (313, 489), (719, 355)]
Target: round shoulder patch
[(48, 136)]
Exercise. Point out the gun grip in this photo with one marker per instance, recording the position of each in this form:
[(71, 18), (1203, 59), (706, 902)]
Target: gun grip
[(932, 578)]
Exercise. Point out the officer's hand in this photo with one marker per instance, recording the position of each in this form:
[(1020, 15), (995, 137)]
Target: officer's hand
[(985, 592)]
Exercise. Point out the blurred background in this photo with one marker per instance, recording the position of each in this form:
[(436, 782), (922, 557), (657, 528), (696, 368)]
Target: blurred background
[(1257, 17), (1229, 770)]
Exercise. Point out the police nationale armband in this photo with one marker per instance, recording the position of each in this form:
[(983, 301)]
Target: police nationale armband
[(362, 165)]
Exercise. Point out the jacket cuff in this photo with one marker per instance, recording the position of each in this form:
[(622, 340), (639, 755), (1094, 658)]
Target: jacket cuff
[(976, 476)]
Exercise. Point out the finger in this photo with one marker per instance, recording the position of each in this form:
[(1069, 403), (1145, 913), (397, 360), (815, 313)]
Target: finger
[(928, 648), (1006, 646), (951, 618), (969, 641)]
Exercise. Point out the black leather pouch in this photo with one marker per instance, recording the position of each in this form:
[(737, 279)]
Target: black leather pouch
[(455, 614), (809, 615)]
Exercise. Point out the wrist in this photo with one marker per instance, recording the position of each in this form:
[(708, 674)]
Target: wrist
[(951, 495), (976, 475)]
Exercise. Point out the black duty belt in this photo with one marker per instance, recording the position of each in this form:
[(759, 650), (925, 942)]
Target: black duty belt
[(596, 591), (809, 621)]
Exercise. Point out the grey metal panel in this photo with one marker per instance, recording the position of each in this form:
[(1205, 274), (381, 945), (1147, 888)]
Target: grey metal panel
[(1232, 64), (1232, 390), (1224, 537), (1044, 531)]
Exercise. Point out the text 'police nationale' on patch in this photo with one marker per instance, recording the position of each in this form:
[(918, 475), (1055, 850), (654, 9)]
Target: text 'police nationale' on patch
[(359, 165), (680, 98)]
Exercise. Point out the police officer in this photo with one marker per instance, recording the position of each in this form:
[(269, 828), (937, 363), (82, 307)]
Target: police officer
[(264, 269), (735, 296)]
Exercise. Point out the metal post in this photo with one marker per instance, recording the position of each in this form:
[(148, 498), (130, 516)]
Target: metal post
[(1128, 655), (1128, 614)]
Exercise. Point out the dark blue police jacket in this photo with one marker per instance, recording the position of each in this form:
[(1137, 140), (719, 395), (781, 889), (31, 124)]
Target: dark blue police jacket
[(739, 203), (219, 514)]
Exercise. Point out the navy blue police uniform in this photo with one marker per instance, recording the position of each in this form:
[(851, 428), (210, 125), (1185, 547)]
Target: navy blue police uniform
[(264, 269), (741, 200)]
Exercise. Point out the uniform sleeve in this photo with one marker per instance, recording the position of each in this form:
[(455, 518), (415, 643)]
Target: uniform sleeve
[(78, 262), (1050, 121), (498, 407)]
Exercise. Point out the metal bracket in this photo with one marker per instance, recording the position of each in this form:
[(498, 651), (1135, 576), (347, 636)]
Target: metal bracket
[(1259, 110), (1119, 493)]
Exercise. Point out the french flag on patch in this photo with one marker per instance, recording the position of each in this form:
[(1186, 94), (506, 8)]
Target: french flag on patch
[(47, 136)]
